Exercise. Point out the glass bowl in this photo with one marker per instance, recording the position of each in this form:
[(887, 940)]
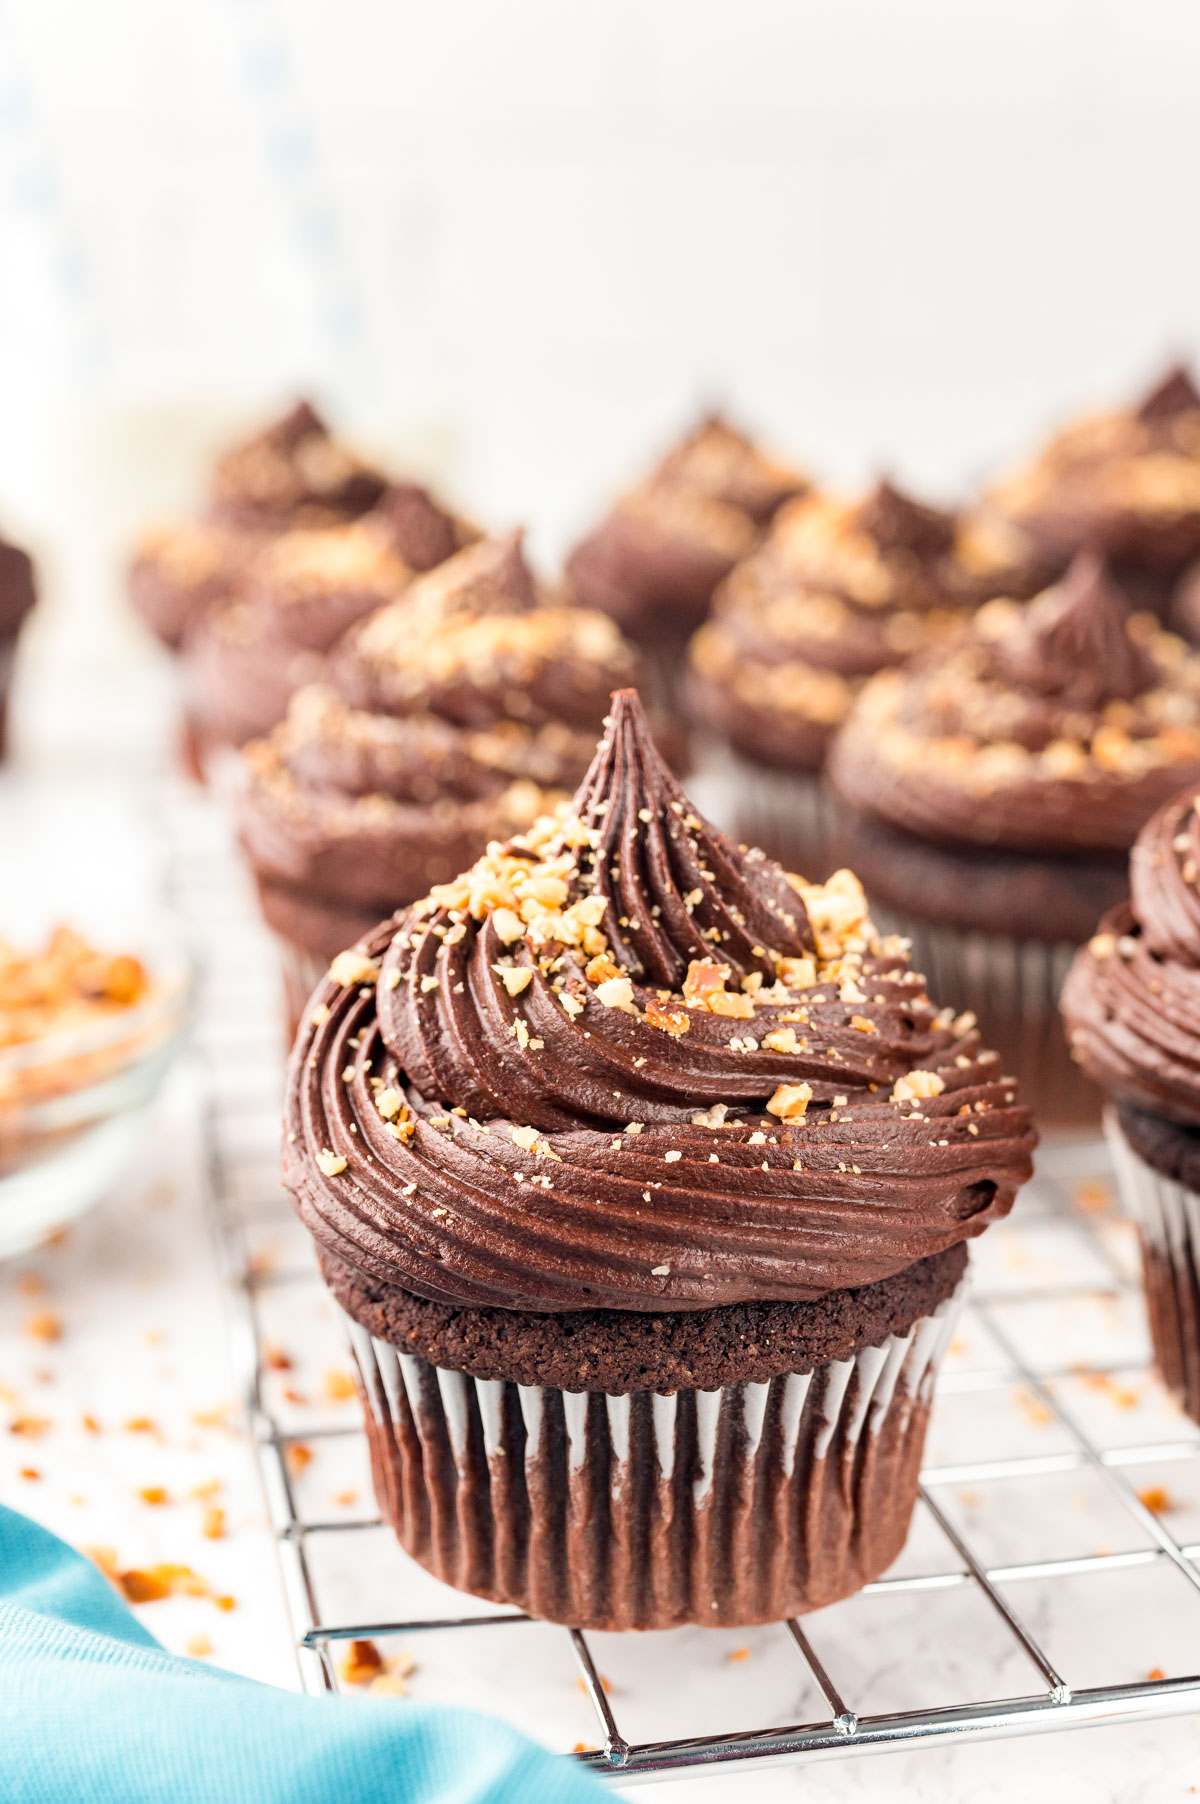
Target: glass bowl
[(73, 1104)]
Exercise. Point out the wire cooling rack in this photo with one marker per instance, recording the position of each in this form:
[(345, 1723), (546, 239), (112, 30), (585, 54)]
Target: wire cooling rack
[(1051, 1578)]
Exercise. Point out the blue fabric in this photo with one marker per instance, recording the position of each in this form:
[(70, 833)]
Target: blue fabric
[(94, 1711)]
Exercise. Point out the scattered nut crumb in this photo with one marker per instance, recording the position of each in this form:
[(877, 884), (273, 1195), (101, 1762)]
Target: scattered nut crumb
[(361, 1662)]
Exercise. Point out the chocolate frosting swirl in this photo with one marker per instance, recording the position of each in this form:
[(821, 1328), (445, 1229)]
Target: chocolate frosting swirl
[(1074, 646), (623, 1063), (668, 542), (837, 591), (293, 473), (456, 713), (1132, 998), (294, 594), (1056, 728), (1126, 483)]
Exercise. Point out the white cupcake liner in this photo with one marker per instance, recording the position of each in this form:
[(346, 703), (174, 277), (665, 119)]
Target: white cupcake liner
[(744, 1504), (1168, 1218)]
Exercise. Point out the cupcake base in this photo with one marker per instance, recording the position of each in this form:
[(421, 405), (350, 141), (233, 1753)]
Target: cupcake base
[(647, 1508), (1158, 1167)]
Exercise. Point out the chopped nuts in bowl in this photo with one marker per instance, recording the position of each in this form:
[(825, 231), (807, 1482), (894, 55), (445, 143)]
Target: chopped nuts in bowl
[(85, 1037)]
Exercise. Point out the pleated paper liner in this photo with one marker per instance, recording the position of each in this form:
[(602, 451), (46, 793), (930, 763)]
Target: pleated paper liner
[(733, 1506), (1168, 1218)]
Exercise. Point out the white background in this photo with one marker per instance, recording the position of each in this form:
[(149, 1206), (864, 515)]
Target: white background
[(519, 243)]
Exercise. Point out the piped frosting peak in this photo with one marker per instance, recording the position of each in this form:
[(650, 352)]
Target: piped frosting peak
[(1077, 645), (623, 1063)]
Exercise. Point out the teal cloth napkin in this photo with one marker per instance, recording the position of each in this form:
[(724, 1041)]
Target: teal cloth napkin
[(94, 1711)]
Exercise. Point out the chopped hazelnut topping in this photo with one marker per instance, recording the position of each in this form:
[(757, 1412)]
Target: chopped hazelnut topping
[(781, 1039), (616, 992), (797, 973), (515, 978), (735, 1003), (790, 1101), (917, 1083), (352, 967), (508, 925), (668, 1021), (705, 979), (331, 1163)]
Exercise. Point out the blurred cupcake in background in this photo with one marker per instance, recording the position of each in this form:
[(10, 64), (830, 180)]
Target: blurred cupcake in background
[(293, 473), (837, 590), (296, 594), (454, 715), (1125, 483), (18, 593), (1132, 1009), (653, 562), (997, 785)]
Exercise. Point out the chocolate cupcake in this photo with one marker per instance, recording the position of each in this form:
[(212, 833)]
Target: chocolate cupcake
[(836, 591), (643, 1174), (997, 785), (294, 473), (296, 595), (654, 562), (1132, 1009), (1125, 483), (17, 596), (456, 714)]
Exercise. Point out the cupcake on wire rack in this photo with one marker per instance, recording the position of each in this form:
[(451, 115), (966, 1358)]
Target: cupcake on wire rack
[(455, 714), (665, 544), (643, 1174), (1132, 1010), (995, 788), (838, 590)]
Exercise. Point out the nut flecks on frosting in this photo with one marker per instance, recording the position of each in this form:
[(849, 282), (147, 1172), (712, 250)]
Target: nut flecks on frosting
[(1058, 726), (624, 1063), (456, 713), (1132, 998), (1126, 482), (837, 590), (667, 542), (295, 472)]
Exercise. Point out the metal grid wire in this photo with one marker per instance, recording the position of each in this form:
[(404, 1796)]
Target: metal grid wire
[(1032, 1602)]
